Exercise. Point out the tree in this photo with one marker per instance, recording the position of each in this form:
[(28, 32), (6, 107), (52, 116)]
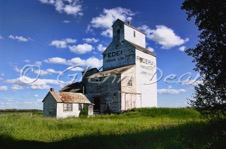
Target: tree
[(209, 55)]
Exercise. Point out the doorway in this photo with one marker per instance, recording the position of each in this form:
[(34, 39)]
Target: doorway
[(96, 108)]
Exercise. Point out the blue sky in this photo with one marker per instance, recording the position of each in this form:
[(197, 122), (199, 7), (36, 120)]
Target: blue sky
[(46, 43)]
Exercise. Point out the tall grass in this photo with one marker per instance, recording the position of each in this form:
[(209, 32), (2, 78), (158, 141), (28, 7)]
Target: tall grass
[(146, 128)]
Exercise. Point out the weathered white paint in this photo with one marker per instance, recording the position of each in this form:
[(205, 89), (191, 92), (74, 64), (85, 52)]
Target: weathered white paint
[(134, 36), (64, 114), (146, 78), (114, 90)]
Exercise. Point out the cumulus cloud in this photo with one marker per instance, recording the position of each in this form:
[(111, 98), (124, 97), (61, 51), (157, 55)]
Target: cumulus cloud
[(46, 72), (75, 68), (107, 17), (81, 48), (56, 60), (77, 61), (164, 36), (38, 63), (3, 88), (171, 91), (66, 21), (62, 43), (17, 87), (90, 40), (19, 38), (182, 48), (101, 48), (150, 49), (70, 7), (6, 103), (34, 83)]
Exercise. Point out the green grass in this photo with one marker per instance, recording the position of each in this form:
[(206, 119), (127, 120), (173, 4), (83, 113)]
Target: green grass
[(137, 128)]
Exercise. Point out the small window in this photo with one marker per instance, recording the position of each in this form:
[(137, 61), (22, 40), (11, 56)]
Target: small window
[(130, 82), (134, 34), (80, 106), (68, 106)]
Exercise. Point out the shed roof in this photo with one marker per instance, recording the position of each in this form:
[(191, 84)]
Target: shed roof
[(115, 71), (68, 97)]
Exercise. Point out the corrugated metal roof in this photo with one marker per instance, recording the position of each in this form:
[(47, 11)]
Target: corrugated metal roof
[(69, 97), (115, 71)]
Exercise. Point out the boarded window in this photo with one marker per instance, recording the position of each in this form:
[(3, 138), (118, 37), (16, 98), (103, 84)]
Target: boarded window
[(68, 107)]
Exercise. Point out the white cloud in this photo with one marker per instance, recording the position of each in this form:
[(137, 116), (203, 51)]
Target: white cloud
[(40, 87), (36, 95), (38, 63), (46, 72), (106, 19), (19, 38), (101, 48), (62, 43), (171, 91), (27, 61), (66, 21), (77, 61), (94, 62), (1, 37), (6, 103), (164, 36), (70, 7), (3, 88), (90, 40), (150, 49), (107, 33), (75, 69), (34, 83), (56, 60), (182, 48), (81, 48), (17, 87)]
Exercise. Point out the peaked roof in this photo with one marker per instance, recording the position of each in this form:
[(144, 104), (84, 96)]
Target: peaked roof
[(68, 97), (74, 87), (115, 71), (128, 24)]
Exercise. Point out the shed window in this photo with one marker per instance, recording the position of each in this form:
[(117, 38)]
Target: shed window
[(80, 106), (68, 107)]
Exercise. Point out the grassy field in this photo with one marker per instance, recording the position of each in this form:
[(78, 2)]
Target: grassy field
[(138, 128)]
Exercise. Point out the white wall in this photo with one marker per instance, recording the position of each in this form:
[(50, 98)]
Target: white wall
[(145, 71), (139, 39), (63, 114)]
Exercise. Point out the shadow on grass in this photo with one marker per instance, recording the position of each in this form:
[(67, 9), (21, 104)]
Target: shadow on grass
[(190, 135)]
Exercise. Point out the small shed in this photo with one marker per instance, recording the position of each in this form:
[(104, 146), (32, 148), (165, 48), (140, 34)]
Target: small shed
[(65, 104)]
